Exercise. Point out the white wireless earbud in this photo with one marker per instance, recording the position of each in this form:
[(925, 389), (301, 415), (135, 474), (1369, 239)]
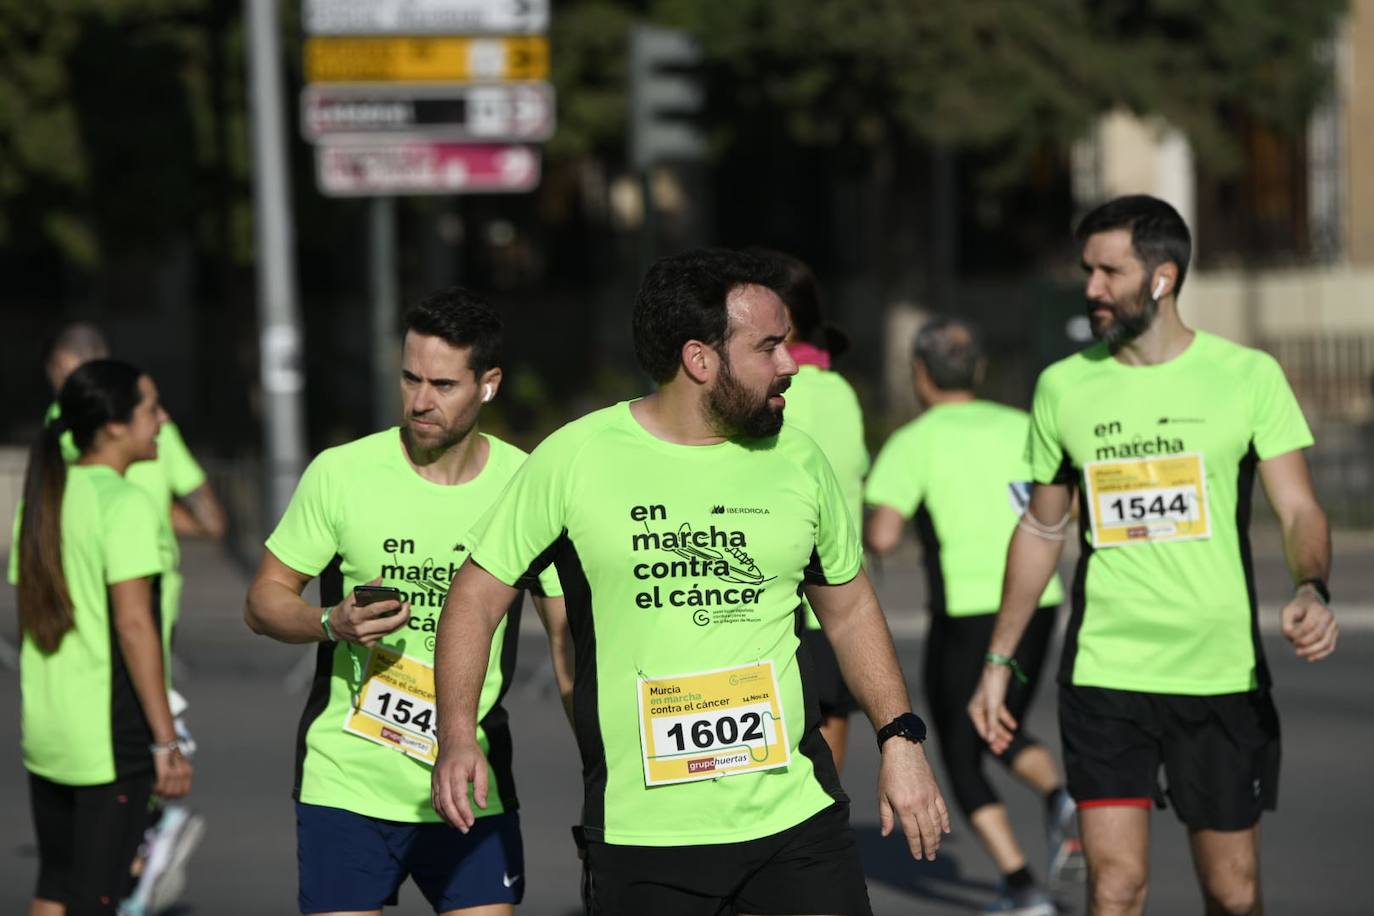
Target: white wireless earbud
[(486, 393), (1159, 287)]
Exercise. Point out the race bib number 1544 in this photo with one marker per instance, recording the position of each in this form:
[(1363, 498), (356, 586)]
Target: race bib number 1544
[(1148, 500)]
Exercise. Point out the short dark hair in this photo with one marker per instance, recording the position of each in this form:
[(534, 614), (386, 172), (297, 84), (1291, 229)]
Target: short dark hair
[(461, 318), (951, 349), (1158, 233), (796, 286), (683, 298)]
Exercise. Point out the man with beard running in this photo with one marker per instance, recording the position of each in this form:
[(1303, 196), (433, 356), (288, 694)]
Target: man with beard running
[(683, 526), (395, 509), (1162, 430)]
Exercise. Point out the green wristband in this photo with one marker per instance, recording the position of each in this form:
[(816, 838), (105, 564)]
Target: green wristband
[(996, 658), (324, 622)]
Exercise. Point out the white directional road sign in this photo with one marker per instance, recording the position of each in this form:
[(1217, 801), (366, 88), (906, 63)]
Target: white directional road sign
[(421, 167), (486, 112), (424, 17)]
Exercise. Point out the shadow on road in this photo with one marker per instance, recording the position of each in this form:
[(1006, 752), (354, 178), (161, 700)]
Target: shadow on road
[(888, 860)]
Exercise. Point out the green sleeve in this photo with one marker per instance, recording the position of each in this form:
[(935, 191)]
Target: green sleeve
[(184, 475), (306, 539), (130, 538), (513, 538), (1276, 419), (896, 477), (838, 554), (1044, 450)]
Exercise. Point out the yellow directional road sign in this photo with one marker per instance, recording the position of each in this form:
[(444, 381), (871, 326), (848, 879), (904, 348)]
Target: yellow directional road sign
[(334, 59)]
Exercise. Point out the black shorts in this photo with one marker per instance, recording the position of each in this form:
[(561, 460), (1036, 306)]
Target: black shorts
[(87, 838), (1220, 754), (812, 868), (831, 690)]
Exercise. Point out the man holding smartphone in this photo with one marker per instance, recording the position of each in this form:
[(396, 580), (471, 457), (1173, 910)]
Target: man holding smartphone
[(383, 522)]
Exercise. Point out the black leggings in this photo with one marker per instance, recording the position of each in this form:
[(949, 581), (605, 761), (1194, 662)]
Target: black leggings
[(87, 838), (954, 663)]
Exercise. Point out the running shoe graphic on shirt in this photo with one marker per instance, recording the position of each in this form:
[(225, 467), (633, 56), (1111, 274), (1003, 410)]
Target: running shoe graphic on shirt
[(728, 563)]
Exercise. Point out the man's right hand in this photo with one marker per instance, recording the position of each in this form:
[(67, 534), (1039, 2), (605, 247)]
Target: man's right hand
[(173, 774), (988, 708), (461, 763), (366, 624)]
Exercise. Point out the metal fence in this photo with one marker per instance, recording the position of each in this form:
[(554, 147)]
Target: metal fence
[(1333, 377)]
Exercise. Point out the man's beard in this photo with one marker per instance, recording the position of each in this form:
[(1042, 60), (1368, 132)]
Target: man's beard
[(735, 412), (1126, 327)]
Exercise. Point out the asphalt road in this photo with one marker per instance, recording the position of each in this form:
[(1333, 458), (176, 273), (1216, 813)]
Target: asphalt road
[(246, 695)]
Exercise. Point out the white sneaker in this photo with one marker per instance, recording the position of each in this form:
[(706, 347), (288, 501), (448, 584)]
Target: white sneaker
[(1033, 901), (1067, 865), (163, 880)]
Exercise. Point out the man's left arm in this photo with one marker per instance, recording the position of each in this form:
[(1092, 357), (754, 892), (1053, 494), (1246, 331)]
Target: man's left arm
[(1306, 620), (854, 623)]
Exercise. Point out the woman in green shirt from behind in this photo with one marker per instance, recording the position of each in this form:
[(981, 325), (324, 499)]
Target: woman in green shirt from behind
[(98, 736)]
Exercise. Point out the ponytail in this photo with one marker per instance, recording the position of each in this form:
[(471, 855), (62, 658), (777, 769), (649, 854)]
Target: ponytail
[(45, 606), (98, 392)]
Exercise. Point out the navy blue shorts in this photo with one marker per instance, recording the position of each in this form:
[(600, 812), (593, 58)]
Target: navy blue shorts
[(352, 862)]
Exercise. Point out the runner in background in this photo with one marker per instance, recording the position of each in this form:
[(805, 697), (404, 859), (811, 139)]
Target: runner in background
[(959, 471), (98, 735), (395, 509), (186, 507), (823, 405), (1162, 430)]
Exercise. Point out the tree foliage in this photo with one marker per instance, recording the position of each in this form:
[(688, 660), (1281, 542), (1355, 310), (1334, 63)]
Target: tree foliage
[(112, 111), (106, 116), (1007, 75)]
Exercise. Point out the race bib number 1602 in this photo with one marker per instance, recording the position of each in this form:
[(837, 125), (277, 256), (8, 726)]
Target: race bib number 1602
[(711, 724)]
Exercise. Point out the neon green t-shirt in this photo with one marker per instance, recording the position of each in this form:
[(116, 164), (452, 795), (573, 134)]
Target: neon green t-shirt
[(361, 511), (680, 560), (1165, 459), (82, 721), (960, 470), (823, 405), (172, 475)]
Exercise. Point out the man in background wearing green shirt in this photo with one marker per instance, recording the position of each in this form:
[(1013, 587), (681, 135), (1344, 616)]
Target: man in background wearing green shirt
[(1162, 429), (396, 509), (685, 526), (822, 404), (959, 471)]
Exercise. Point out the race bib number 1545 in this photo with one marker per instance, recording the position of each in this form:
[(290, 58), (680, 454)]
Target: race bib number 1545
[(395, 707)]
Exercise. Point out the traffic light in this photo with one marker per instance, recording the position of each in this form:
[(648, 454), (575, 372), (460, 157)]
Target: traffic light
[(666, 97)]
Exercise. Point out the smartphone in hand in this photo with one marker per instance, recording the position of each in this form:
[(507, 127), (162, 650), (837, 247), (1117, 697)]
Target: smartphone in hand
[(370, 594)]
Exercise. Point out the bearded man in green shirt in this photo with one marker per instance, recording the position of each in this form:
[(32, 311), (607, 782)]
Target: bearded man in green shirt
[(1162, 430), (685, 527)]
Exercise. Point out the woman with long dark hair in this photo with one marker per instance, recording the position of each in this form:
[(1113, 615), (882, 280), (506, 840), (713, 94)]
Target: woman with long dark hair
[(98, 736)]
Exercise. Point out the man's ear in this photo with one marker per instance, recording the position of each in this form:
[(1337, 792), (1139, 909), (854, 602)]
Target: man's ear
[(699, 361), (1164, 281)]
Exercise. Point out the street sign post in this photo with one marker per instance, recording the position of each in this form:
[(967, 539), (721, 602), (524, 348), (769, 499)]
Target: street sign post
[(399, 166), (330, 59), (424, 17), (483, 112)]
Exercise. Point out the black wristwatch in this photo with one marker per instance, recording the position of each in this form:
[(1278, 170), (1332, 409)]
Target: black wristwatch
[(908, 725), (1318, 586)]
